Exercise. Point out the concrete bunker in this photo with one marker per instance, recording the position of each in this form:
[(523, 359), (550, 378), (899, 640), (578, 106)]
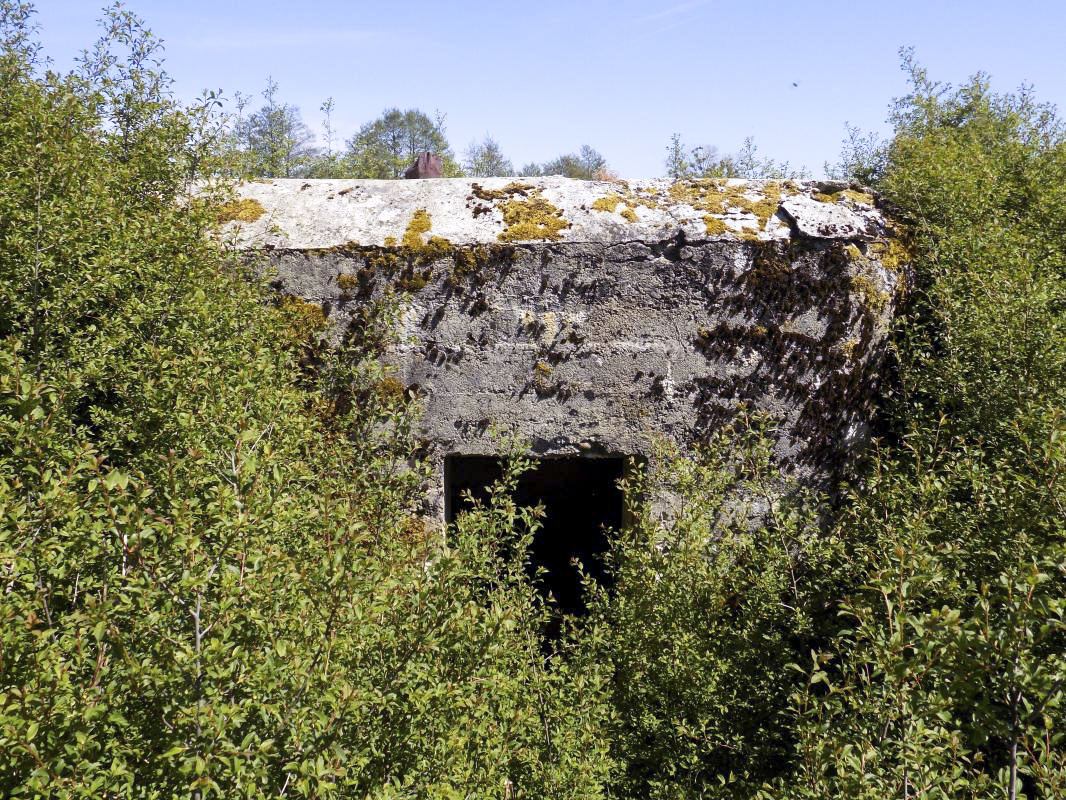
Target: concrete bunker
[(583, 506), (598, 318)]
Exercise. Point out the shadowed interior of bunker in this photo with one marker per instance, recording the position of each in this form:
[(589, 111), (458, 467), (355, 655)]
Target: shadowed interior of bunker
[(582, 505)]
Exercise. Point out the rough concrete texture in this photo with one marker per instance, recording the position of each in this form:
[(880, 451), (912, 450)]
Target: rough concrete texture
[(592, 317)]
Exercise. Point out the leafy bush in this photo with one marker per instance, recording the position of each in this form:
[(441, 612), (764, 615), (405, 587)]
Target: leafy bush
[(211, 579), (947, 678), (712, 602)]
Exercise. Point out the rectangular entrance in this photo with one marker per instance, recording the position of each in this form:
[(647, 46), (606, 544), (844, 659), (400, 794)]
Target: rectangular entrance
[(582, 503)]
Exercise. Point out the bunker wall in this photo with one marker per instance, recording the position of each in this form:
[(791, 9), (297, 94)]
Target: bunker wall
[(593, 318)]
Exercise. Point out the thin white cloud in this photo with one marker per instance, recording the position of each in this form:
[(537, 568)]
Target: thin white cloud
[(673, 11), (278, 39)]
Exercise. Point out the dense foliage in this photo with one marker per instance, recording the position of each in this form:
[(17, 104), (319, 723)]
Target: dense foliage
[(947, 678), (214, 581), (706, 615), (211, 580)]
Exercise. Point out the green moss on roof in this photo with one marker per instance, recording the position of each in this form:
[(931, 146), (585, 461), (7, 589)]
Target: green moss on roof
[(607, 203), (715, 226), (532, 217), (245, 210), (719, 197), (507, 191), (610, 202), (420, 223)]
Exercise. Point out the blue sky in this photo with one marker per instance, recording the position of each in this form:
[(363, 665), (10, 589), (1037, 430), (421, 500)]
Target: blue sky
[(544, 78)]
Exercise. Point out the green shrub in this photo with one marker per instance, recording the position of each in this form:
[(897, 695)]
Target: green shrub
[(946, 679), (210, 585), (710, 605)]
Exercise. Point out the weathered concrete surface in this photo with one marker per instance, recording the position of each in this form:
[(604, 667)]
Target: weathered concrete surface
[(592, 317)]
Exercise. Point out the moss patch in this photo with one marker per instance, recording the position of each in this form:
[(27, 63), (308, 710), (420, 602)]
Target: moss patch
[(531, 218), (771, 265), (859, 198), (764, 208), (302, 319), (715, 226), (704, 195), (411, 280), (391, 390), (414, 253), (847, 195), (507, 191), (607, 203), (542, 381), (869, 289), (892, 254), (246, 210), (347, 283), (410, 269), (526, 214), (420, 223), (718, 197), (470, 261), (610, 202)]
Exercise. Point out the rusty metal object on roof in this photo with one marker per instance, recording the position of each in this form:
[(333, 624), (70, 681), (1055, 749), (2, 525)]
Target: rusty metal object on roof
[(427, 165)]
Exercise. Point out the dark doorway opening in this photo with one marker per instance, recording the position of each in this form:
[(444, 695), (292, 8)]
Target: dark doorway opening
[(582, 503)]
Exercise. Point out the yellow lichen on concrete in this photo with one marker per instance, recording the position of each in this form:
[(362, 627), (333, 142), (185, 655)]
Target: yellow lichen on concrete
[(390, 241), (607, 203), (869, 288), (891, 253), (631, 200), (718, 197), (531, 218), (715, 226), (420, 223), (246, 210)]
